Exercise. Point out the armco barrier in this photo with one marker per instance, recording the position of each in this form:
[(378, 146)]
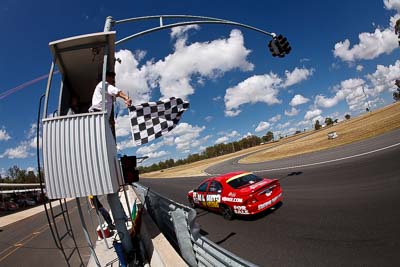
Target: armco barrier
[(177, 223)]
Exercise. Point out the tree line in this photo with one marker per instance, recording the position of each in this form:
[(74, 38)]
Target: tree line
[(211, 152), (225, 148), (328, 122), (15, 175)]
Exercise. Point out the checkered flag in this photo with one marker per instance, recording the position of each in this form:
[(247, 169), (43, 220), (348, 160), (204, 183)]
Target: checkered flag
[(154, 119)]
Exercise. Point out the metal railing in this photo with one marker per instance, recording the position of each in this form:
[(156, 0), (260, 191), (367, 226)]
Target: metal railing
[(178, 223)]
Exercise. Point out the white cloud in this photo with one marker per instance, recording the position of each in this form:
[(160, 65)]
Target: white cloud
[(370, 46), (247, 135), (157, 154), (262, 126), (259, 88), (392, 4), (275, 118), (232, 113), (4, 136), (292, 112), (296, 76), (31, 169), (123, 126), (32, 130), (23, 150), (177, 32), (3, 172), (282, 126), (208, 118), (298, 100), (148, 149), (312, 114), (285, 131), (325, 102), (318, 118), (217, 98), (304, 123), (383, 78), (19, 152), (129, 143), (233, 134), (130, 78), (209, 59), (33, 142), (227, 136), (305, 60), (185, 136), (354, 91), (222, 139), (359, 68)]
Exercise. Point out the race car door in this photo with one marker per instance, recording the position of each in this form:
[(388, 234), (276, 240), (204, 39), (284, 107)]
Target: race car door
[(199, 196), (213, 196)]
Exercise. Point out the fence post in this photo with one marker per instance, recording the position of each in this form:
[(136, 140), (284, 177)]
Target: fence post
[(183, 236)]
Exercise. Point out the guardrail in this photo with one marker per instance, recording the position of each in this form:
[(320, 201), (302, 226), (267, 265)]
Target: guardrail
[(178, 223)]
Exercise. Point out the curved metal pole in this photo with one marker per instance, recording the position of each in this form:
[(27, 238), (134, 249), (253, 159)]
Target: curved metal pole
[(213, 21), (85, 231), (49, 79), (167, 17)]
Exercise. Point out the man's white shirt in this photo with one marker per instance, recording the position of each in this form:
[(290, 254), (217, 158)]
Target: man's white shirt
[(111, 92)]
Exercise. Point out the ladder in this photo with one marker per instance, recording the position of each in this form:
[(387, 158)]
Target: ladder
[(58, 221), (61, 230)]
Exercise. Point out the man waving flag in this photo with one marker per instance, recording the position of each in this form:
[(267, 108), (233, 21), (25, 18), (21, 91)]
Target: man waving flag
[(154, 119)]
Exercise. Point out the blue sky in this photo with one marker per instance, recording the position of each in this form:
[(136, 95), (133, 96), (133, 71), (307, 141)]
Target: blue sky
[(344, 57)]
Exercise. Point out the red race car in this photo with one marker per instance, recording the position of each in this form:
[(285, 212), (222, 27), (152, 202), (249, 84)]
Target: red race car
[(236, 193)]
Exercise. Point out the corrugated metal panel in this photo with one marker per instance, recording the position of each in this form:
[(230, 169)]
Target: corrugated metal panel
[(80, 156)]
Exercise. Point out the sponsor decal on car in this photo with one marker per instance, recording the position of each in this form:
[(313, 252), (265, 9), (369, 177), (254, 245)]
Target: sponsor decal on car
[(259, 184), (240, 210), (268, 193), (213, 201), (269, 202), (232, 199), (197, 198), (214, 198)]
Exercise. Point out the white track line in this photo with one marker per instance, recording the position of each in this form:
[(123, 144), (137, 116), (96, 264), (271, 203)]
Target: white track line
[(330, 161)]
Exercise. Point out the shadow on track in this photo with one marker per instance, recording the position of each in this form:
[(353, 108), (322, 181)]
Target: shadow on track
[(295, 173), (261, 214), (226, 238)]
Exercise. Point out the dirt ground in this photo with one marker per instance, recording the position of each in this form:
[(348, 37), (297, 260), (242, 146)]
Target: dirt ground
[(355, 129)]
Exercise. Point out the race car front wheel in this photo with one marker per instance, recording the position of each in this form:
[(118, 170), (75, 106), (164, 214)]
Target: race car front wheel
[(191, 203), (227, 212)]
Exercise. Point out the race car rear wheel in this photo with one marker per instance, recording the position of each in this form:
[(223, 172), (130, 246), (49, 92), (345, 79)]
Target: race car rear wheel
[(227, 212), (191, 203)]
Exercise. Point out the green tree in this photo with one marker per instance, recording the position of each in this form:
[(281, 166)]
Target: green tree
[(13, 172), (396, 95), (31, 177), (328, 121), (317, 125), (269, 136)]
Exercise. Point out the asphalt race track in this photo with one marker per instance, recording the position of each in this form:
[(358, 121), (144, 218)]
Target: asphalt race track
[(342, 212)]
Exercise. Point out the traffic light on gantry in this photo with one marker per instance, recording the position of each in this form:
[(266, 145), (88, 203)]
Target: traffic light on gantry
[(279, 46), (274, 47)]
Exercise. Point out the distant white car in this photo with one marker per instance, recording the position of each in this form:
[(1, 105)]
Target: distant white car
[(332, 135)]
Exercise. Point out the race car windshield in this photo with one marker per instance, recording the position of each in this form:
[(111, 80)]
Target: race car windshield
[(245, 180)]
